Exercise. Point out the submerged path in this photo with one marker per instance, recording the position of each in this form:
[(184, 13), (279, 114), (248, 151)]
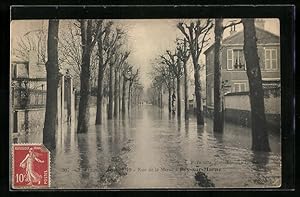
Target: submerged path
[(161, 152)]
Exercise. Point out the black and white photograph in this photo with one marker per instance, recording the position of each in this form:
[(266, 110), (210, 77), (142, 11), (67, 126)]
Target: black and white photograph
[(150, 103)]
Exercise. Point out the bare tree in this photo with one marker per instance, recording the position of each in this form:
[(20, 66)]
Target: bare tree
[(183, 54), (111, 87), (70, 53), (137, 93), (218, 93), (166, 76), (107, 44), (176, 67), (121, 59), (32, 41), (89, 35), (112, 66), (260, 140), (126, 73), (133, 78), (196, 35), (157, 84), (70, 49), (218, 105), (50, 124)]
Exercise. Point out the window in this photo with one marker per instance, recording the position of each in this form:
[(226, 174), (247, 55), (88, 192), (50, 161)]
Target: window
[(239, 87), (235, 59), (270, 59)]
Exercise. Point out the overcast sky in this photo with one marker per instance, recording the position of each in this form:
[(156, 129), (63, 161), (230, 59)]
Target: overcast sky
[(147, 39)]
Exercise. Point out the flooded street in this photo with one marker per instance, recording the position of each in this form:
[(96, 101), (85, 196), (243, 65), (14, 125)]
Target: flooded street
[(160, 151), (131, 72)]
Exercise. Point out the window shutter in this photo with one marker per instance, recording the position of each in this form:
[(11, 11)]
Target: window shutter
[(229, 59), (267, 59), (274, 59)]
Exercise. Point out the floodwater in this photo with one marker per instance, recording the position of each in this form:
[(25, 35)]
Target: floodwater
[(162, 152)]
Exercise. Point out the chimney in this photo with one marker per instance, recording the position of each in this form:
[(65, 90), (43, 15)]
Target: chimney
[(232, 30), (260, 23)]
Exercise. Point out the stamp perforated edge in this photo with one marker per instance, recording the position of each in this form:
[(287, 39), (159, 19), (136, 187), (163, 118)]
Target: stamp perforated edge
[(12, 167)]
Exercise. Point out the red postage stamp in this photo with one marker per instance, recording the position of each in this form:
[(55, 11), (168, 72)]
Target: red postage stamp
[(30, 166)]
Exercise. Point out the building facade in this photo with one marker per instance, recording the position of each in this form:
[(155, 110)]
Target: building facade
[(234, 66), (234, 76)]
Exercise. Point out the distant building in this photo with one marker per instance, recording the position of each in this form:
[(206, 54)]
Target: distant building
[(28, 75), (28, 96), (28, 93), (233, 65)]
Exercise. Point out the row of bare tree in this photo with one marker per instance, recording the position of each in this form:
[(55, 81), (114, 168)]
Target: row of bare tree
[(94, 45), (173, 66), (101, 42)]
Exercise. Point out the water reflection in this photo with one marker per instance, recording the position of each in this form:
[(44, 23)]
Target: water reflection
[(260, 160), (83, 158), (186, 127), (158, 139), (179, 124), (200, 130), (219, 137)]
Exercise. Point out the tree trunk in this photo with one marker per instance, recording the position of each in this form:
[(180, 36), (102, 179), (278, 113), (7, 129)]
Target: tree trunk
[(199, 113), (110, 93), (100, 83), (161, 97), (120, 99), (170, 100), (83, 114), (178, 97), (124, 95), (116, 96), (186, 112), (218, 96), (260, 141), (50, 124), (129, 96)]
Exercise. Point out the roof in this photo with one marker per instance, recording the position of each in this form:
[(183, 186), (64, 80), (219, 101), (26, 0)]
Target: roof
[(263, 37)]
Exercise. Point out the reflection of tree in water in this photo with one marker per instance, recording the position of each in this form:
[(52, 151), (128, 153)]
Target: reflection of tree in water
[(67, 140), (179, 124), (110, 128), (219, 137), (200, 130), (100, 160), (260, 161), (83, 157), (186, 127), (221, 148), (117, 134)]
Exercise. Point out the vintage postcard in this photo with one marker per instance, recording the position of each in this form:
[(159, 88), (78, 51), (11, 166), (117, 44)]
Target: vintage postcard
[(145, 103)]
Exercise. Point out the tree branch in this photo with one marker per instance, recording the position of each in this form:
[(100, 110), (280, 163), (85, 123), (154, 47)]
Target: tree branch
[(232, 24)]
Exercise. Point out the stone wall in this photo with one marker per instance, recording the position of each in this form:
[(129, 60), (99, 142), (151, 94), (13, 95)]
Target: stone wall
[(36, 118), (242, 102), (237, 110)]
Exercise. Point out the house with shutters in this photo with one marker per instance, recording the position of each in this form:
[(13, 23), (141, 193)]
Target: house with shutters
[(233, 69)]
